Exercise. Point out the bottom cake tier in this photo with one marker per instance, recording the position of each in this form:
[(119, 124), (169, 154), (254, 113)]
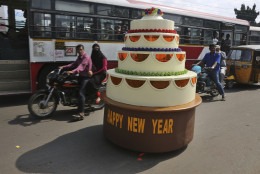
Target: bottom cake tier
[(151, 91)]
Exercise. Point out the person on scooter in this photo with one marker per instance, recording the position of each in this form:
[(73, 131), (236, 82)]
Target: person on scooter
[(99, 68), (212, 61), (83, 67), (223, 65)]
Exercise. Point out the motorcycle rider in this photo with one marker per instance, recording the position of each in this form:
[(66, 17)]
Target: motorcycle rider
[(212, 61), (99, 68), (83, 67)]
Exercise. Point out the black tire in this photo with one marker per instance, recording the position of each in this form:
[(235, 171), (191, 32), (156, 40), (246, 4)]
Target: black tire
[(35, 105), (214, 93), (43, 75)]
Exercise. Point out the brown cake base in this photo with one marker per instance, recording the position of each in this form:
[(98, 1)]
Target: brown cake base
[(149, 129)]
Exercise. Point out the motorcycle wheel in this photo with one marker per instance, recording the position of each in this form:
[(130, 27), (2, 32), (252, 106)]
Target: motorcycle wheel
[(36, 105), (214, 93)]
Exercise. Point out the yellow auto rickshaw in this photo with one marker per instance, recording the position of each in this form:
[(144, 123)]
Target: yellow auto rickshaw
[(243, 65)]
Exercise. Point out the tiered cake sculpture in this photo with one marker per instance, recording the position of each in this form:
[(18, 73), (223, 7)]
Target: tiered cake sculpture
[(150, 98)]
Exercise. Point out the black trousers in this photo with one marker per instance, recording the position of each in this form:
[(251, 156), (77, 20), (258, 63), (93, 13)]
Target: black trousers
[(97, 79), (83, 81)]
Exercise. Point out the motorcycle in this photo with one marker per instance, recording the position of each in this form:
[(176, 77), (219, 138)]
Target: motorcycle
[(204, 82), (64, 89)]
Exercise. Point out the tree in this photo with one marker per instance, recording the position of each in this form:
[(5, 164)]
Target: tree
[(247, 13)]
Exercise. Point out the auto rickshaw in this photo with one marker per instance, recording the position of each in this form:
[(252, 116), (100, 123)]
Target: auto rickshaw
[(243, 65)]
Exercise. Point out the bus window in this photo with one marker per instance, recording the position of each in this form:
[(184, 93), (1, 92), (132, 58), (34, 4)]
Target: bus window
[(65, 26), (74, 6), (84, 28), (212, 24), (207, 37), (112, 11), (195, 36), (193, 21), (176, 18), (112, 29), (136, 14), (42, 25), (41, 4), (191, 36), (106, 29)]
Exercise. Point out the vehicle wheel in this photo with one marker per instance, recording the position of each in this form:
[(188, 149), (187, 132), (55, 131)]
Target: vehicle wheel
[(214, 93), (43, 75), (36, 105), (229, 84)]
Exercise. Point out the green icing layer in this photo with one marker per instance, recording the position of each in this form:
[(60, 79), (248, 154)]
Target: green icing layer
[(150, 73)]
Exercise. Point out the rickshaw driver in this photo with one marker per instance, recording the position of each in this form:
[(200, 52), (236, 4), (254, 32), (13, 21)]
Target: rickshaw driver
[(212, 61)]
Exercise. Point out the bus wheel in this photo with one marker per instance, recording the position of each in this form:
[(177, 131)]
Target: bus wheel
[(43, 74)]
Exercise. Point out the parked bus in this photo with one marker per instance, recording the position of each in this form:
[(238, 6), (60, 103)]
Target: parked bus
[(254, 36), (39, 35)]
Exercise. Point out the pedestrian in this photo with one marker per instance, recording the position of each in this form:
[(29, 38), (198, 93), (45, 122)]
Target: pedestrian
[(83, 67), (243, 40), (212, 61), (215, 38), (227, 44), (223, 65)]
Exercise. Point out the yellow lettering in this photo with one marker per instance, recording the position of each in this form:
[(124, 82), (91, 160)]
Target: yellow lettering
[(160, 126), (170, 126), (141, 123), (135, 125), (114, 118), (117, 118), (154, 125), (121, 120), (130, 122), (165, 128)]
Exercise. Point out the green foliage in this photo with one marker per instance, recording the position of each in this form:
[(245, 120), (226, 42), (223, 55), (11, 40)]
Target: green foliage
[(247, 13), (150, 73)]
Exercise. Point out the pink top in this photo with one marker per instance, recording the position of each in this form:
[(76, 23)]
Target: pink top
[(81, 66)]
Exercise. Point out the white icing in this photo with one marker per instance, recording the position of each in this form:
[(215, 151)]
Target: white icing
[(152, 24)]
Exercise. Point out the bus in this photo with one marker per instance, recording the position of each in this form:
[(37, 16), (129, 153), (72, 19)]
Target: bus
[(254, 36), (37, 36)]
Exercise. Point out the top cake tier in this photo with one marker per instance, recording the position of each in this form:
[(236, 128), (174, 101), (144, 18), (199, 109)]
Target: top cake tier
[(152, 19), (152, 22)]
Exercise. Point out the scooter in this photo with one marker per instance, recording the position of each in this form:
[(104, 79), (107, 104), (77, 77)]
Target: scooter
[(204, 82), (64, 89)]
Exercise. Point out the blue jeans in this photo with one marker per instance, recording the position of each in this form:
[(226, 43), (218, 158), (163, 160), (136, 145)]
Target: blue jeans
[(215, 77)]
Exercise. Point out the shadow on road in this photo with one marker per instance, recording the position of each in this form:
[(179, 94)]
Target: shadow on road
[(242, 87), (28, 120), (14, 100), (87, 151), (236, 89)]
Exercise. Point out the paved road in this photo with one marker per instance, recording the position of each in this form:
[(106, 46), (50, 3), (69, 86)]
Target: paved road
[(226, 141)]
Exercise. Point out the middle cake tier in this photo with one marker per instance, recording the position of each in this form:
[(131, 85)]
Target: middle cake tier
[(152, 62), (152, 40)]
